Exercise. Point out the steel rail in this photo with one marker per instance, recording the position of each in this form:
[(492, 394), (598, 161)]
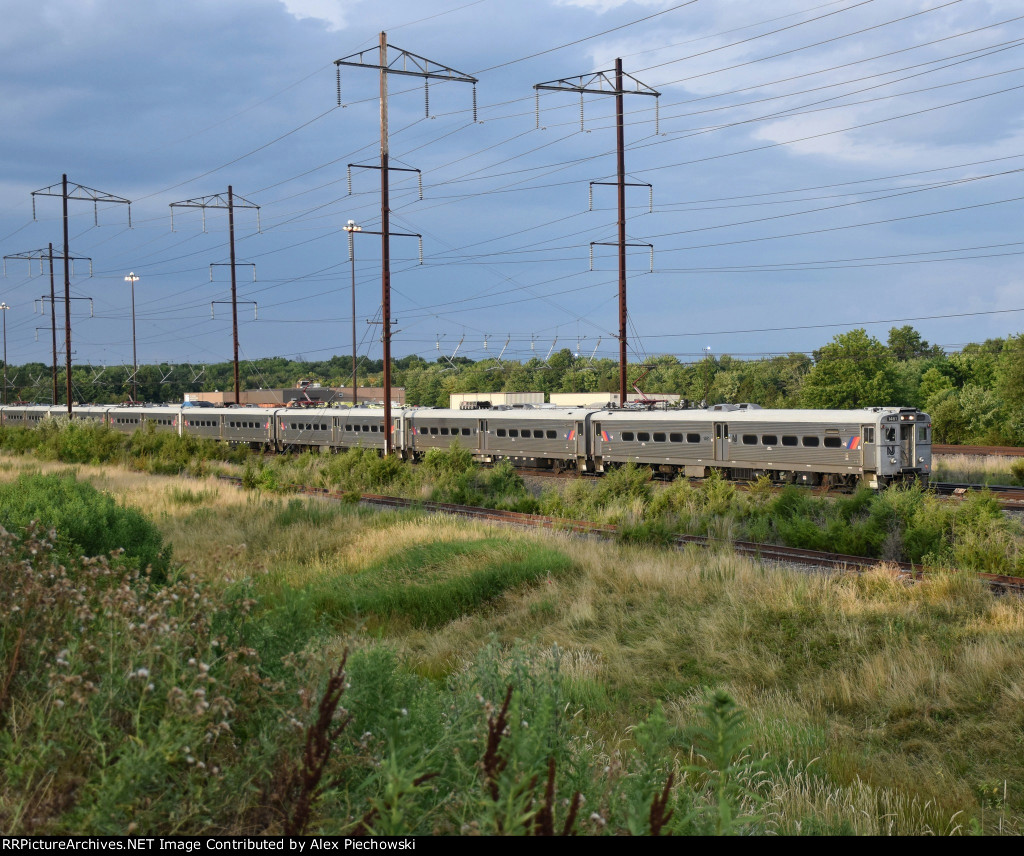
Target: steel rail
[(1005, 451)]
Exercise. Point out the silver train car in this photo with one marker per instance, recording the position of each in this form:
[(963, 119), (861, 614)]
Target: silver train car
[(875, 446)]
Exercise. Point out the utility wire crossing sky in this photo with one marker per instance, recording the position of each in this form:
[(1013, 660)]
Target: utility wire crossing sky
[(813, 167)]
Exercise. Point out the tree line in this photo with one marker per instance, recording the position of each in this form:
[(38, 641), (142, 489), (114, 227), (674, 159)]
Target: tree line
[(975, 395)]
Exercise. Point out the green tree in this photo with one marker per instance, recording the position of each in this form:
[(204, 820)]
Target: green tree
[(1010, 373), (905, 343), (853, 370), (933, 382)]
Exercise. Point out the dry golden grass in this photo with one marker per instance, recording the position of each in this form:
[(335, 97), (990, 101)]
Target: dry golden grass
[(855, 809), (972, 468)]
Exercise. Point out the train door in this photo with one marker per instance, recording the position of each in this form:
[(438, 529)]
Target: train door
[(721, 441), (582, 452), (481, 435), (906, 446), (397, 436), (866, 444)]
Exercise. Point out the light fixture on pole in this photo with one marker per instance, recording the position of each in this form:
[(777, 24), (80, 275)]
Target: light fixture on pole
[(3, 308), (132, 278), (350, 228)]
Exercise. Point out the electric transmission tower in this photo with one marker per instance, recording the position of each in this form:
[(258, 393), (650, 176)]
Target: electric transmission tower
[(41, 256), (232, 202), (87, 194), (609, 83), (405, 63)]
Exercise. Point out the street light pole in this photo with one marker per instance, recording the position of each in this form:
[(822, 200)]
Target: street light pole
[(350, 228), (3, 308), (132, 278)]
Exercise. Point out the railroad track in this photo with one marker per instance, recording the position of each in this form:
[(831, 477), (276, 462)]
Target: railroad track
[(1010, 497), (1004, 451), (764, 552)]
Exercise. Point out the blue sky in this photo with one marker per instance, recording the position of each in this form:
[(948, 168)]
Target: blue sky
[(816, 166)]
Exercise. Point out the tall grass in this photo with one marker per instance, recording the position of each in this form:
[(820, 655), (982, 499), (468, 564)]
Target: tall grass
[(867, 705), (864, 705), (75, 442), (134, 707), (978, 469)]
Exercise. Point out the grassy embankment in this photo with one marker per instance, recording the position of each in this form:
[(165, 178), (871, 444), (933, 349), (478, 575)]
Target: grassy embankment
[(133, 702)]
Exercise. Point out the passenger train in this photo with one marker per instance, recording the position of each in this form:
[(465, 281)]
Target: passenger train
[(875, 446)]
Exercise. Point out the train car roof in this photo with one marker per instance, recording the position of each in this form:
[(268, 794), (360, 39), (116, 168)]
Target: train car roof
[(755, 415), (524, 413)]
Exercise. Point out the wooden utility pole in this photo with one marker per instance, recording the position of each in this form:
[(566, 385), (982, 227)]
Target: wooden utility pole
[(401, 62), (231, 203), (600, 83), (87, 194), (48, 256)]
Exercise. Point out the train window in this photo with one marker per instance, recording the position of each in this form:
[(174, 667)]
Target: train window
[(750, 439), (869, 434), (551, 435), (770, 440), (539, 435), (433, 430), (788, 441), (922, 434), (890, 434), (627, 435), (374, 428), (675, 438), (643, 436), (833, 442), (513, 432), (444, 431), (465, 432), (693, 438), (501, 432), (659, 437), (811, 441), (348, 427)]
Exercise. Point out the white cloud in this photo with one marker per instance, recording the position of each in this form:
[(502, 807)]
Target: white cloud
[(602, 6), (331, 12)]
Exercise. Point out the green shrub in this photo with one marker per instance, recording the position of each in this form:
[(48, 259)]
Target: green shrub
[(88, 522), (426, 585)]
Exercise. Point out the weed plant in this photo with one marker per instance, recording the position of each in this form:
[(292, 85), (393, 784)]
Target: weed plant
[(76, 442), (633, 691)]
